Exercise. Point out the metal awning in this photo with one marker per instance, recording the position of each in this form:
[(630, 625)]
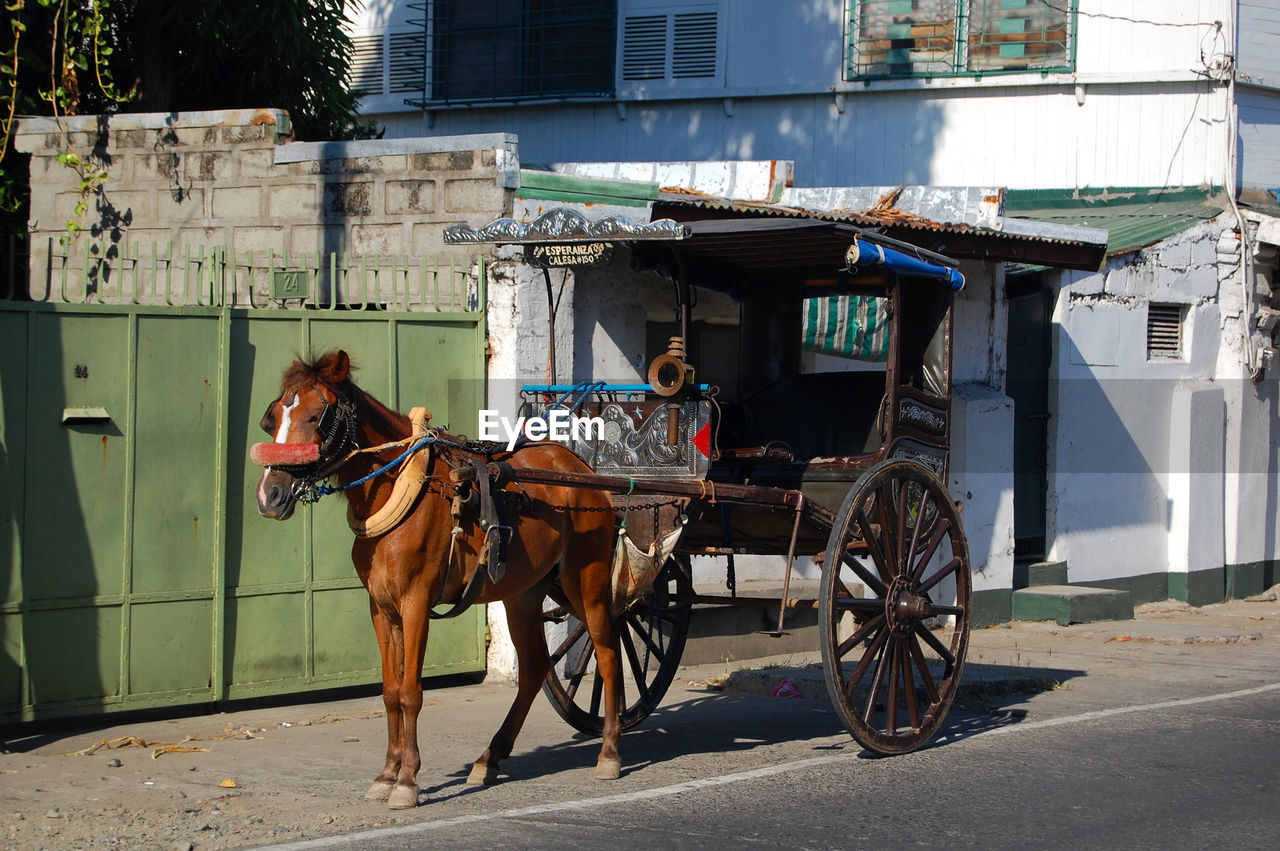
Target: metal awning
[(721, 251), (1134, 218), (1052, 243)]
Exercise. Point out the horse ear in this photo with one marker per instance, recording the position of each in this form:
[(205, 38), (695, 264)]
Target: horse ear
[(335, 367)]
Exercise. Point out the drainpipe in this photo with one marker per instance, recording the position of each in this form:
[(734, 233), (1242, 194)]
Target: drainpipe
[(1248, 273)]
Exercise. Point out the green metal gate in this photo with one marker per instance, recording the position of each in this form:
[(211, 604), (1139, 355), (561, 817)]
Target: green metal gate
[(134, 568)]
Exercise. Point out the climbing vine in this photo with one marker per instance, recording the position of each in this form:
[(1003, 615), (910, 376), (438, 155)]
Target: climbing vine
[(52, 44)]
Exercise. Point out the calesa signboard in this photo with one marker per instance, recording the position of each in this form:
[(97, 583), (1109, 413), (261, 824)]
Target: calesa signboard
[(568, 254)]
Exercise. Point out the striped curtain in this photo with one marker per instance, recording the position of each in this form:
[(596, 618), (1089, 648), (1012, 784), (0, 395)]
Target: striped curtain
[(847, 326)]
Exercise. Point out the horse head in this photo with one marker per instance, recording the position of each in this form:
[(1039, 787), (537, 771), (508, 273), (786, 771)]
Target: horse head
[(312, 425)]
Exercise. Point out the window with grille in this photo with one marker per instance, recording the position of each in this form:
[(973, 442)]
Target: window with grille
[(679, 46), (496, 50), (1164, 330), (926, 38)]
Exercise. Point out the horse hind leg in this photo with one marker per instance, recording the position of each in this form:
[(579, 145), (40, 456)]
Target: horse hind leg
[(524, 620), (590, 585), (609, 668), (404, 794)]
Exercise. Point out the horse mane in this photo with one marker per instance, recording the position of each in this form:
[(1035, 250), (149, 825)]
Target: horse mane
[(306, 371)]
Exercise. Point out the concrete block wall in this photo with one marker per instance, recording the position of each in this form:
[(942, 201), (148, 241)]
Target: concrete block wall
[(236, 178)]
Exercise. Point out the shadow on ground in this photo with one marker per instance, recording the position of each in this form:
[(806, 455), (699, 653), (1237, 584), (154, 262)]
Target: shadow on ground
[(727, 720)]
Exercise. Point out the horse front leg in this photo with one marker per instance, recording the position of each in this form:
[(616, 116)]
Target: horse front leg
[(391, 648), (524, 621), (414, 623)]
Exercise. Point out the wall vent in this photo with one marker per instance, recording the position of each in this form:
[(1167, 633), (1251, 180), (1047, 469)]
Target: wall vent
[(407, 67), (387, 63), (1164, 330), (365, 71), (644, 47), (693, 53), (671, 46)]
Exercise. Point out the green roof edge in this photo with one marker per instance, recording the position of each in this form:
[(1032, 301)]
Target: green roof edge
[(1016, 200), (552, 186)]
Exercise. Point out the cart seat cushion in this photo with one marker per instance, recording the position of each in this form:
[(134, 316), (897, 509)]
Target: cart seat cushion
[(817, 414)]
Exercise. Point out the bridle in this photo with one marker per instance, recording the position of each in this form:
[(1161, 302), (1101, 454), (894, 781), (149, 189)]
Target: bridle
[(336, 429)]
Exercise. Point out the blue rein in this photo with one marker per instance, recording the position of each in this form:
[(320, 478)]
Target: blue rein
[(325, 490)]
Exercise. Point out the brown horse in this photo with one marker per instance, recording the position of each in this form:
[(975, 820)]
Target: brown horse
[(324, 425)]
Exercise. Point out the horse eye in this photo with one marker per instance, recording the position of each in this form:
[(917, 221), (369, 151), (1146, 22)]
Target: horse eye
[(314, 419)]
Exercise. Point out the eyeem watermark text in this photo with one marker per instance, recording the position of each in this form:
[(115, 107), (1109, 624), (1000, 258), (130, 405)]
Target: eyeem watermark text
[(558, 424)]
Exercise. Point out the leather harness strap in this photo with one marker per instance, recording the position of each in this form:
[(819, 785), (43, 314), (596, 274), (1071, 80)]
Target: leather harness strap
[(491, 562), (405, 491)]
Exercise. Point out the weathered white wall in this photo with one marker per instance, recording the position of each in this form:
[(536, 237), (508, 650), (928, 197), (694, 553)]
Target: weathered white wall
[(1118, 423), (1251, 482), (982, 478), (981, 474), (1196, 495), (1251, 459), (979, 340)]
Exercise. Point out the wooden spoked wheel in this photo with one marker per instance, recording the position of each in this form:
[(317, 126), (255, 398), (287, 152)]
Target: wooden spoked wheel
[(894, 607), (652, 632)]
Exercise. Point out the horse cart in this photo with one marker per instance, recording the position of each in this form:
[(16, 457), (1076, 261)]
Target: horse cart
[(847, 466), (590, 546)]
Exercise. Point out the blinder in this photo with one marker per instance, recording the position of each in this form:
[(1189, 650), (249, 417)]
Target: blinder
[(327, 429)]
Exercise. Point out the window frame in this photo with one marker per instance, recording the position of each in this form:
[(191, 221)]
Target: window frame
[(533, 83), (960, 53)]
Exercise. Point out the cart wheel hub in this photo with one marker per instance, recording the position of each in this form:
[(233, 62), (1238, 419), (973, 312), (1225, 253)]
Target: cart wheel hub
[(902, 607)]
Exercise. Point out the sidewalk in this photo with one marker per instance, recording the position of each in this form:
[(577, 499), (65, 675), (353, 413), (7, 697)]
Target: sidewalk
[(299, 771)]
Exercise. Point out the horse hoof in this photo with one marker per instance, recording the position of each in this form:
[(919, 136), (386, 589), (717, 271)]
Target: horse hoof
[(482, 775), (379, 791), (403, 798), (608, 769)]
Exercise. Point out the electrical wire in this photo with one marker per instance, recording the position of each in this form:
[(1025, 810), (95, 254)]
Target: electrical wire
[(1104, 16)]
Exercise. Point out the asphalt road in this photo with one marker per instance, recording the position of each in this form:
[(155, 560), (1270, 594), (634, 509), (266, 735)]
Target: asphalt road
[(1198, 772), (1155, 732)]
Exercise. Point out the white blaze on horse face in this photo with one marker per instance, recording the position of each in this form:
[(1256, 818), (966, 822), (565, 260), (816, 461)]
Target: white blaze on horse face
[(286, 410)]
